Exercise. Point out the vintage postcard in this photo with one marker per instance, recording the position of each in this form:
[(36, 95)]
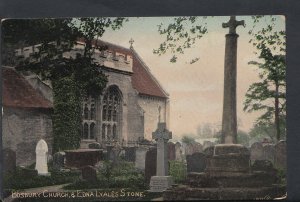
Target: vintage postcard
[(144, 108)]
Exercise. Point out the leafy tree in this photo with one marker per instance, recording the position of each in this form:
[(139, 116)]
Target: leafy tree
[(261, 131), (187, 139), (72, 78), (269, 95), (243, 138), (181, 34)]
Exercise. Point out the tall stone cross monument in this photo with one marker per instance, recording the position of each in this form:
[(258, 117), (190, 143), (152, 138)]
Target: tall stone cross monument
[(229, 120), (161, 181)]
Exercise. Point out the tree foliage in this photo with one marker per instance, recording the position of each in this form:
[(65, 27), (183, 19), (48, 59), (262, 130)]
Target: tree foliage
[(269, 94), (187, 139), (72, 78), (261, 131), (180, 35), (243, 138)]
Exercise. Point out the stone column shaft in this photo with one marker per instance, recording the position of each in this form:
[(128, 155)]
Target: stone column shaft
[(229, 119)]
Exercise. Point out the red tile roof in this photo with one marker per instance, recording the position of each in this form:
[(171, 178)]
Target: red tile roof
[(142, 79), (17, 92)]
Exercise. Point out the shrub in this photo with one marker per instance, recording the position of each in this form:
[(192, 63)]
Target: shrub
[(178, 171), (121, 175), (21, 179)]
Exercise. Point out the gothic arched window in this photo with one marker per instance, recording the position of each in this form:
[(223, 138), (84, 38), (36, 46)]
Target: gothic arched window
[(103, 131), (93, 112), (108, 132), (114, 131), (92, 131), (85, 131), (89, 118), (111, 114), (86, 111)]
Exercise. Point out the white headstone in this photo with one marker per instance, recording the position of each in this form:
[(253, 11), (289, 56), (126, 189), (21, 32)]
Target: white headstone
[(41, 151)]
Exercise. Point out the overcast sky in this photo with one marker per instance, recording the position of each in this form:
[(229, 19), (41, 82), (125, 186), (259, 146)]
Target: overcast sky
[(196, 90)]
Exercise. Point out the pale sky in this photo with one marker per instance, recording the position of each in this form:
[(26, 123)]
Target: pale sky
[(196, 90)]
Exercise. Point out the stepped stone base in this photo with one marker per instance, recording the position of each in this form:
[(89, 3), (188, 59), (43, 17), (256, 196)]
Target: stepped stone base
[(232, 193), (228, 176), (255, 179)]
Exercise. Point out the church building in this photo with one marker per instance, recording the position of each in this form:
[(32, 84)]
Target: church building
[(127, 111)]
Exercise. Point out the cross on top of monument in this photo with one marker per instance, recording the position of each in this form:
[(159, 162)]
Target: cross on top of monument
[(232, 24), (162, 132), (131, 42)]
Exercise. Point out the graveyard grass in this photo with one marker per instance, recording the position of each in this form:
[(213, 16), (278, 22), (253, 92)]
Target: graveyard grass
[(113, 175), (110, 177), (20, 179)]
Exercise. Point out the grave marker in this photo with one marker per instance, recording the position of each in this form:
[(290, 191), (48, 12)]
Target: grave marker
[(150, 164), (41, 157), (196, 162), (256, 151), (161, 181), (9, 160)]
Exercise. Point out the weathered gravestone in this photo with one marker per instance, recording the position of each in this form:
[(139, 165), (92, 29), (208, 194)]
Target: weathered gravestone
[(109, 154), (197, 147), (115, 153), (196, 162), (28, 173), (41, 157), (140, 156), (9, 160), (150, 164), (207, 144), (95, 145), (82, 157), (256, 151), (89, 173), (193, 148), (280, 155), (130, 154), (269, 152), (171, 151), (161, 181), (59, 160), (178, 152)]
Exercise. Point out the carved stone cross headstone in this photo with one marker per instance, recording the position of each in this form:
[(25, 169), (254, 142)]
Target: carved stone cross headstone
[(41, 157), (161, 181), (162, 136), (229, 121)]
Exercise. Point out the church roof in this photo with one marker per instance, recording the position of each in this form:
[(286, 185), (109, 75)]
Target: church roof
[(142, 79), (17, 92)]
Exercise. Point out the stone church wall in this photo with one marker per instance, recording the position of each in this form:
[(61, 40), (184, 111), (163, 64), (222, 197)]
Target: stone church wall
[(22, 129), (150, 106), (132, 114)]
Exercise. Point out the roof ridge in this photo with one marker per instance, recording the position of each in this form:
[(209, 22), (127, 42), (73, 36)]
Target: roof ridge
[(109, 43), (149, 72)]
